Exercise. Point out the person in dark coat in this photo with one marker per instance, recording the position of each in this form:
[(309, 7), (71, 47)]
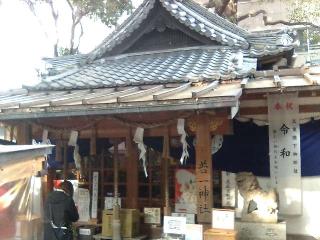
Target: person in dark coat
[(59, 213)]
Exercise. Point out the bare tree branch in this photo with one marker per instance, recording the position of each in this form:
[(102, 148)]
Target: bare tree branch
[(268, 22), (55, 16), (80, 36), (32, 9), (222, 9), (243, 17), (287, 23)]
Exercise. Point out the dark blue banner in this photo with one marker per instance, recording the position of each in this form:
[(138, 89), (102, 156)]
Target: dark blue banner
[(248, 149)]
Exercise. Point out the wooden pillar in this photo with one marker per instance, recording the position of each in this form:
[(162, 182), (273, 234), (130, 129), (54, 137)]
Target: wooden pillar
[(65, 160), (204, 169), (50, 178), (116, 169), (24, 135), (132, 160), (165, 172), (93, 142)]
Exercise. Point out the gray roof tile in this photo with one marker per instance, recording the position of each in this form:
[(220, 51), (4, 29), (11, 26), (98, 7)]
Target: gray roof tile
[(152, 67), (193, 16)]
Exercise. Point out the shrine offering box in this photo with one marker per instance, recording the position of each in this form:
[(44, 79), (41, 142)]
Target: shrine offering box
[(223, 219), (129, 219), (220, 234)]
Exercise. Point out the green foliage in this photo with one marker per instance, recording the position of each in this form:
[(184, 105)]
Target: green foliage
[(108, 11), (304, 11), (63, 51)]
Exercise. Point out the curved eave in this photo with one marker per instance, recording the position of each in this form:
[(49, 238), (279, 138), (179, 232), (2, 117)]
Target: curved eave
[(267, 51), (110, 109)]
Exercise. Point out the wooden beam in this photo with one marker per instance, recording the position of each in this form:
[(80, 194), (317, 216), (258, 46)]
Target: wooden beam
[(205, 90), (204, 170), (244, 82), (142, 93), (93, 142), (42, 100), (69, 98), (65, 160), (172, 91), (50, 178), (281, 72), (116, 167), (165, 172), (110, 96), (132, 160)]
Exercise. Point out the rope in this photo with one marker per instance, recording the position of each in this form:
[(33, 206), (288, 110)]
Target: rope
[(123, 121)]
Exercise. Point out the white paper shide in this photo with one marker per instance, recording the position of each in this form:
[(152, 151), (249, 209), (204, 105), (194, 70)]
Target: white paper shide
[(138, 139)]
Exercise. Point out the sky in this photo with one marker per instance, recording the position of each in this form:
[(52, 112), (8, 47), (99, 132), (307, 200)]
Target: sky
[(23, 42)]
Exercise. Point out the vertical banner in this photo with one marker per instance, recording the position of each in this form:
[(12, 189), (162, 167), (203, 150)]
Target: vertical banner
[(228, 189), (83, 204), (94, 205), (284, 147)]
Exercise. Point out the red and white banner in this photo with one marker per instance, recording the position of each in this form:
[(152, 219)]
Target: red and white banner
[(284, 147)]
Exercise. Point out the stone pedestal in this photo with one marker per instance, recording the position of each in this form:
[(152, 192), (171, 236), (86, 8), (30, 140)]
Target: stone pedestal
[(260, 231)]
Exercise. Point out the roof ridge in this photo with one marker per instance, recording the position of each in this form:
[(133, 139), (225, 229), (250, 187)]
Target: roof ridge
[(213, 14), (209, 24)]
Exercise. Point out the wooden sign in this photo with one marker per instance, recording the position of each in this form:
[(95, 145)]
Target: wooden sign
[(94, 205), (110, 201), (152, 215), (204, 170), (83, 204), (228, 189)]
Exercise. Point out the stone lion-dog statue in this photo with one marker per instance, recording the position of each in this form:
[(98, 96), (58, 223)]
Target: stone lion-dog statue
[(259, 205)]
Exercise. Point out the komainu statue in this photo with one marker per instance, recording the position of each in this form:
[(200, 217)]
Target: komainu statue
[(259, 205)]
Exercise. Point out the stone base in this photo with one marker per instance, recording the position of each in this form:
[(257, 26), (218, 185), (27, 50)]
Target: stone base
[(260, 231), (299, 237)]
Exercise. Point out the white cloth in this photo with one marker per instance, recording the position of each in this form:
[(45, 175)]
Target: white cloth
[(138, 139), (182, 132)]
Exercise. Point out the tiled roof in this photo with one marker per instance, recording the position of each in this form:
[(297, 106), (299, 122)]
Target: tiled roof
[(188, 13), (149, 98), (196, 18), (205, 23), (21, 103), (60, 64), (170, 66)]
